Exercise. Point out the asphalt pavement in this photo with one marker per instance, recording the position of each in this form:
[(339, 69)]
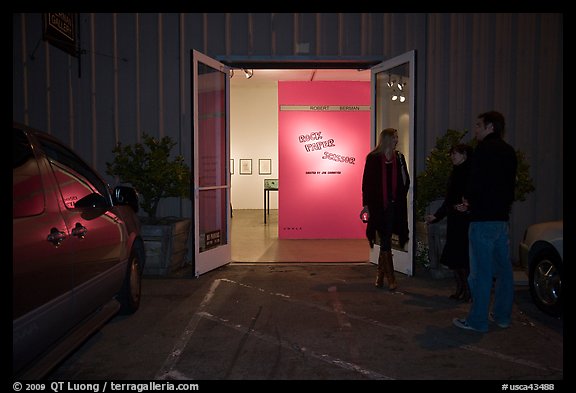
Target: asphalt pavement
[(314, 322)]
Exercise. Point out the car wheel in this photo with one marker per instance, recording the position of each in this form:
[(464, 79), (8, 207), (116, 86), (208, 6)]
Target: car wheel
[(132, 287), (545, 278)]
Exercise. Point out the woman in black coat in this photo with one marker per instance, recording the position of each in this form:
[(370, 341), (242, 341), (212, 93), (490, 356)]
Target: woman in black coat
[(455, 253), (385, 184)]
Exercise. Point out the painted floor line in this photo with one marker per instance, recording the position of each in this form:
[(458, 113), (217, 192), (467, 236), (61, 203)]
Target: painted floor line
[(297, 348), (404, 331), (166, 371)]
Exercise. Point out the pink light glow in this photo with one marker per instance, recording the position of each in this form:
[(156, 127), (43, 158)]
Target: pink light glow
[(321, 159)]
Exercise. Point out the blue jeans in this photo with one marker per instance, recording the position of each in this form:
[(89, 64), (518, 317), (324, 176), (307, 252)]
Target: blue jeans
[(490, 263)]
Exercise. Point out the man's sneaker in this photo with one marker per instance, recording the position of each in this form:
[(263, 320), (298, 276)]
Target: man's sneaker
[(500, 325), (462, 324)]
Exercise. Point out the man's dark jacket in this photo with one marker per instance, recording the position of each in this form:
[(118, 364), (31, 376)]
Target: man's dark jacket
[(490, 190)]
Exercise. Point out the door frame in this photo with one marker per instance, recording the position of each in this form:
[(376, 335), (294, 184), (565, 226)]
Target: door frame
[(212, 258), (403, 259)]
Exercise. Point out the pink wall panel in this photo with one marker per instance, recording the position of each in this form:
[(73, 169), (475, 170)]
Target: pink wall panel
[(322, 145)]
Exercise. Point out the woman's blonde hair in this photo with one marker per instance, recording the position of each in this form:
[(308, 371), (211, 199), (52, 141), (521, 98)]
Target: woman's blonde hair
[(385, 139)]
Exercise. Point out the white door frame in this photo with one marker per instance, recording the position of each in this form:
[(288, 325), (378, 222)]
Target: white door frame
[(382, 107), (210, 257)]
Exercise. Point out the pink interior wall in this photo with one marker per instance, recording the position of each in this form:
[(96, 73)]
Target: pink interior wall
[(320, 194)]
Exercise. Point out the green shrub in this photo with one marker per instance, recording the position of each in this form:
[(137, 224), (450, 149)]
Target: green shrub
[(431, 183), (151, 171)]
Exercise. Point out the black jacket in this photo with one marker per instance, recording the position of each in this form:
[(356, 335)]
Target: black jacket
[(490, 189), (373, 196), (455, 251)]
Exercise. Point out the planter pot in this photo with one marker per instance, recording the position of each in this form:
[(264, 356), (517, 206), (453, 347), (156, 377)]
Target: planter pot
[(436, 236), (166, 244)]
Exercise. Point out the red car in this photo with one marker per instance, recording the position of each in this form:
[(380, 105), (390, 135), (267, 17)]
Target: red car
[(77, 252)]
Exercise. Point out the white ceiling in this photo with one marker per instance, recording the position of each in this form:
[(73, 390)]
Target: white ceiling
[(273, 75)]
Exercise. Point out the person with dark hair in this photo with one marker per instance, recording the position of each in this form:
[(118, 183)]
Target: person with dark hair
[(385, 184), (455, 251), (488, 197)]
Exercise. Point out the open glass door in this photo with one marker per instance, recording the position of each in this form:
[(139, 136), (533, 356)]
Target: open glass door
[(211, 158), (393, 105)]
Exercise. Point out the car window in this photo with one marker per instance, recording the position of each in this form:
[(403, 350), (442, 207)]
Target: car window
[(75, 178), (27, 190)]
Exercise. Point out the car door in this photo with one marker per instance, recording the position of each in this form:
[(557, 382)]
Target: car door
[(41, 256), (98, 237)]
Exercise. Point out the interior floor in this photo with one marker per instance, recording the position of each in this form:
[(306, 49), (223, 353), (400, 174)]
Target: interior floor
[(254, 241)]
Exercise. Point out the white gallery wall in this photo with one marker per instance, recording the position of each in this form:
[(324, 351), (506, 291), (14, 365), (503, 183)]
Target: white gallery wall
[(253, 135)]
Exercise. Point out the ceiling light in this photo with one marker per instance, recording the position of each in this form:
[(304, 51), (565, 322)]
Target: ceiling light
[(390, 82), (248, 73), (401, 84), (394, 96), (402, 98)]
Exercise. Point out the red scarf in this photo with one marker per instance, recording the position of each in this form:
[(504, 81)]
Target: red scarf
[(394, 177)]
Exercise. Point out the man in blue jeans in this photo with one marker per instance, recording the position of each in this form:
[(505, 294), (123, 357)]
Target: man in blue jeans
[(488, 198)]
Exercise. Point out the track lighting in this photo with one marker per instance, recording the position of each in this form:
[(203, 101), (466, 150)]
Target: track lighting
[(248, 73), (398, 92), (401, 84), (390, 82)]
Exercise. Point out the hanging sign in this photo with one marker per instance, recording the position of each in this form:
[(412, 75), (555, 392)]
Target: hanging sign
[(60, 31)]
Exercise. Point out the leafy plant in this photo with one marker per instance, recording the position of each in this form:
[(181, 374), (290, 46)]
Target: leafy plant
[(151, 171), (422, 254), (431, 183)]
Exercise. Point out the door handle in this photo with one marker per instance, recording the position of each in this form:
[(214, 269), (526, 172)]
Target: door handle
[(79, 231), (56, 237)]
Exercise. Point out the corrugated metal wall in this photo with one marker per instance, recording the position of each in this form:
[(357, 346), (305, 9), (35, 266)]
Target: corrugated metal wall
[(135, 76)]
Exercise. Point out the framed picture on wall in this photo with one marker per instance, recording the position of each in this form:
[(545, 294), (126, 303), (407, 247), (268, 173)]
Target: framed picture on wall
[(245, 166), (265, 166), (231, 166)]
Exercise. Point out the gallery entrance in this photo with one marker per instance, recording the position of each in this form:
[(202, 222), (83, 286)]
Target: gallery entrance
[(245, 165), (254, 123)]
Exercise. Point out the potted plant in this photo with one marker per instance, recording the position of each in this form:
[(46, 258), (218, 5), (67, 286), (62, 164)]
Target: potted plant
[(149, 168), (431, 190)]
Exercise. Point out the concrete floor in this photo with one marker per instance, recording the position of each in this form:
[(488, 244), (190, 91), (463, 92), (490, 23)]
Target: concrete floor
[(255, 242), (280, 320)]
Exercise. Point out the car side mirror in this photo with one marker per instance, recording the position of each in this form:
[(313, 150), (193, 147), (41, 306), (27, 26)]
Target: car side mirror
[(92, 201), (92, 206), (124, 195)]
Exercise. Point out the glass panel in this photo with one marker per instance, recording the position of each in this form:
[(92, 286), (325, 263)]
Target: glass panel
[(213, 223), (393, 110), (212, 168), (211, 127)]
